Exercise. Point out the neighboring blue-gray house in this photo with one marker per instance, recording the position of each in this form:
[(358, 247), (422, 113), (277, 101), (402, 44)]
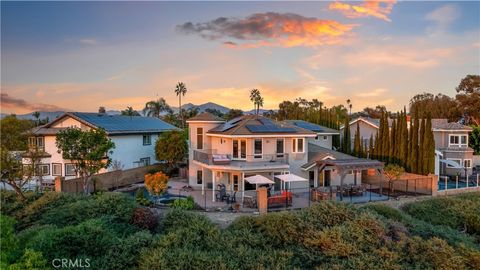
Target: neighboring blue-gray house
[(134, 138)]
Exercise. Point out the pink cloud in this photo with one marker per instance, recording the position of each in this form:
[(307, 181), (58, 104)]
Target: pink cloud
[(378, 9)]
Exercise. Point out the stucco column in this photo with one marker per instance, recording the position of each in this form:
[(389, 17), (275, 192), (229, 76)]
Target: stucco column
[(243, 186), (315, 177), (262, 201), (203, 181), (213, 186)]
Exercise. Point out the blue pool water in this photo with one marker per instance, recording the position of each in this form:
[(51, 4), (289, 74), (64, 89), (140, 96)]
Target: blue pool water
[(165, 198), (453, 184)]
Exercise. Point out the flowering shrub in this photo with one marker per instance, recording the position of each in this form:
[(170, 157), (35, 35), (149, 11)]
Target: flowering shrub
[(156, 183)]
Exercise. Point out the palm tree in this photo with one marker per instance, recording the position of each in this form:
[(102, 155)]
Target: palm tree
[(257, 99), (129, 112), (155, 107), (349, 103), (37, 116), (180, 90)]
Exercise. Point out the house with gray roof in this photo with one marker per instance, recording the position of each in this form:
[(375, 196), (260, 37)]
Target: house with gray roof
[(134, 138), (229, 153), (453, 156)]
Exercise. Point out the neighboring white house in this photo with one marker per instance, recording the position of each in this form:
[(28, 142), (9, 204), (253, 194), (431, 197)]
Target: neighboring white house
[(228, 152), (134, 138)]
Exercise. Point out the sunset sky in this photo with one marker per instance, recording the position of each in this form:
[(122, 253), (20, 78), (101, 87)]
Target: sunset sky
[(82, 55)]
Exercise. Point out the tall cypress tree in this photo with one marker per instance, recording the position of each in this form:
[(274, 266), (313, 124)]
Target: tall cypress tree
[(410, 144), (356, 142), (421, 154), (370, 147), (392, 144), (415, 131), (429, 147), (404, 140), (346, 143), (385, 139), (376, 149)]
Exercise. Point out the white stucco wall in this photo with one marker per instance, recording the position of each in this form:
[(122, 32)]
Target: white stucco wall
[(322, 140), (128, 149)]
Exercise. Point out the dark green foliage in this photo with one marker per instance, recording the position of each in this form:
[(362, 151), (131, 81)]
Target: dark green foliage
[(461, 212), (9, 241), (116, 205), (14, 133), (171, 147), (140, 196), (325, 236), (357, 147), (474, 139), (346, 143), (185, 204), (30, 260)]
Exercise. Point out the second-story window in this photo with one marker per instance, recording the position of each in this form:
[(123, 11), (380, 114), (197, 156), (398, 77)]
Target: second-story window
[(280, 147), (147, 139), (199, 138), (257, 148), (458, 140), (297, 145), (36, 142)]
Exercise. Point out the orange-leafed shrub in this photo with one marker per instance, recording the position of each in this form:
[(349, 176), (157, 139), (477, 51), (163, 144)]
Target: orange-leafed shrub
[(156, 183)]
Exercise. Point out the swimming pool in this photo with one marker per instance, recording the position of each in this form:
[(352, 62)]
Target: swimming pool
[(166, 198), (453, 184)]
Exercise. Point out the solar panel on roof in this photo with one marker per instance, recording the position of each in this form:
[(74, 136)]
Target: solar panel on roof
[(266, 121), (120, 123), (308, 126), (228, 125), (268, 129)]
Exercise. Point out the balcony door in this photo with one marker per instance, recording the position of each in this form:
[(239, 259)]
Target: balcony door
[(239, 150)]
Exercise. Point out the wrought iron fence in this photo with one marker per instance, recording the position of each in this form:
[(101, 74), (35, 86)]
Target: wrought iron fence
[(297, 198)]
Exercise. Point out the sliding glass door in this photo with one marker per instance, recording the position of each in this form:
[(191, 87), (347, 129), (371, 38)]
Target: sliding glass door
[(239, 150)]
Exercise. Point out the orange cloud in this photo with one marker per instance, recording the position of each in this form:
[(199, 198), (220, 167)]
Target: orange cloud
[(271, 29), (379, 9)]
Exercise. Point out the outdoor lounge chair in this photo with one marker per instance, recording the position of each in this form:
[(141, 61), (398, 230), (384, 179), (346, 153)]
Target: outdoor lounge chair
[(220, 159), (282, 200)]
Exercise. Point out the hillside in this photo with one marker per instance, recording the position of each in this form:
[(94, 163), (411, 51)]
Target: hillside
[(438, 233)]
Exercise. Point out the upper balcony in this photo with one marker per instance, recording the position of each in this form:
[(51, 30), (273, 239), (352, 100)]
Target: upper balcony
[(259, 161)]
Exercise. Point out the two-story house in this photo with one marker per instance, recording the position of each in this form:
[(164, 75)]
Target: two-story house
[(451, 140), (134, 138), (453, 156), (228, 152)]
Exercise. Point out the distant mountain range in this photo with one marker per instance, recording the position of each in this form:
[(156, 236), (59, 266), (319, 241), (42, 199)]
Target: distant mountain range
[(201, 107)]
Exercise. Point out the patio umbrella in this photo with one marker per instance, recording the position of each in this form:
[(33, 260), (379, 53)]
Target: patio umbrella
[(258, 179), (288, 178)]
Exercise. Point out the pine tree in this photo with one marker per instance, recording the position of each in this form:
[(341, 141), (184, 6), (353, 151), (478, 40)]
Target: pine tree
[(356, 142)]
